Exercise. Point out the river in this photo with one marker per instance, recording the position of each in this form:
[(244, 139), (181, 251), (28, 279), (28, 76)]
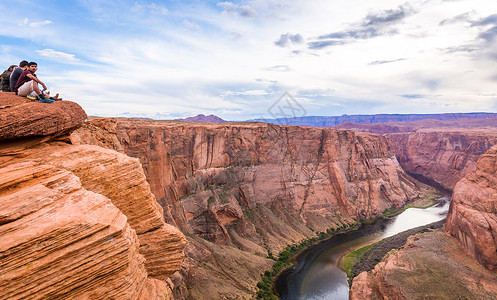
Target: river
[(316, 274)]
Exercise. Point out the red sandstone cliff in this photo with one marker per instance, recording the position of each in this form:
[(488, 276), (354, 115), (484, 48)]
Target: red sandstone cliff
[(437, 266), (445, 155), (76, 222), (472, 217), (445, 151), (243, 189)]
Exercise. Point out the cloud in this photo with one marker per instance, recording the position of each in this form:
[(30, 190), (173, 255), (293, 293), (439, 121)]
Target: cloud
[(25, 21), (373, 25), (381, 62), (190, 25), (287, 39), (279, 68), (244, 11), (457, 19), (388, 16), (462, 48), (490, 20), (42, 23), (151, 8), (324, 44), (56, 55), (489, 35), (412, 96)]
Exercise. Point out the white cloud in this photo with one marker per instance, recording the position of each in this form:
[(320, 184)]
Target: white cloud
[(39, 24), (190, 25), (57, 55), (151, 8), (242, 10)]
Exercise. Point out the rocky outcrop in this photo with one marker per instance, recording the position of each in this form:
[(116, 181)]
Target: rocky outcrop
[(472, 217), (446, 155), (256, 187), (77, 221), (59, 240), (430, 266), (20, 118), (120, 178)]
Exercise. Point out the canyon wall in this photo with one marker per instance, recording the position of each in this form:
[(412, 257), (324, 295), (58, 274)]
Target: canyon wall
[(434, 265), (76, 221), (445, 151), (445, 155), (472, 217), (241, 191)]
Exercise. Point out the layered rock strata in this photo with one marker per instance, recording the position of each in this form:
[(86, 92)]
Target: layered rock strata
[(430, 266), (445, 151), (76, 222), (59, 240), (446, 155), (472, 217), (256, 187)]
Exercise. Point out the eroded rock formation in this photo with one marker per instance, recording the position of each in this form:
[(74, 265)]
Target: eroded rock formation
[(430, 266), (445, 151), (444, 155), (76, 221), (472, 217), (248, 189)]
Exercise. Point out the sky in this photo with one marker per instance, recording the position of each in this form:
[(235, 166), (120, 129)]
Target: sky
[(253, 59)]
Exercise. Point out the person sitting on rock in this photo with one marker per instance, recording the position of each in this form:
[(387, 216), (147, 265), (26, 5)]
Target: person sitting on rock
[(23, 65), (5, 79), (27, 85)]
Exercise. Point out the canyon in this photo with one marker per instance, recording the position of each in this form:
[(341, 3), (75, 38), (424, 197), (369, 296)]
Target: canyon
[(147, 209), (241, 191)]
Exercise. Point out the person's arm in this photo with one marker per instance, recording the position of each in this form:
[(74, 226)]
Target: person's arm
[(37, 80)]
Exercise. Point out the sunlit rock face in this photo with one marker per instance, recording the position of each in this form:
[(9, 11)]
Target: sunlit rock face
[(472, 217), (76, 221), (254, 187)]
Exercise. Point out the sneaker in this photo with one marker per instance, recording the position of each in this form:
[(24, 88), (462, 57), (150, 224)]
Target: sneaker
[(32, 98), (46, 100)]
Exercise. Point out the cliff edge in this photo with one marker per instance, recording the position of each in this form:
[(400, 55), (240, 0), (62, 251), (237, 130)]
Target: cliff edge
[(80, 221)]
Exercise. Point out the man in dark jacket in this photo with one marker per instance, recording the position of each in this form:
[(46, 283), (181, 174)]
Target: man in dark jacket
[(23, 65)]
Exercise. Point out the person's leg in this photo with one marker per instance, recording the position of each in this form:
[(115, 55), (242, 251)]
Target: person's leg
[(26, 89)]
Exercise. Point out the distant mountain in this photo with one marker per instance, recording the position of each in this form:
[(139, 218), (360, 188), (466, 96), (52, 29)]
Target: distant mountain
[(203, 118), (323, 121)]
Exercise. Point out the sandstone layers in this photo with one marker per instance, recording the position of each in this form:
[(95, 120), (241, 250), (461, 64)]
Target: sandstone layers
[(76, 222), (472, 218), (245, 190), (445, 151), (437, 266)]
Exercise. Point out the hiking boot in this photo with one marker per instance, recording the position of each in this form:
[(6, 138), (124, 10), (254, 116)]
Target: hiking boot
[(32, 98)]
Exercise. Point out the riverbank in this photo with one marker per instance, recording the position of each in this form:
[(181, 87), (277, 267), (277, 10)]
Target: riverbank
[(366, 258), (288, 257)]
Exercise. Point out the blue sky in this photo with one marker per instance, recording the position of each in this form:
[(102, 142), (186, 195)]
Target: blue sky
[(171, 59)]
